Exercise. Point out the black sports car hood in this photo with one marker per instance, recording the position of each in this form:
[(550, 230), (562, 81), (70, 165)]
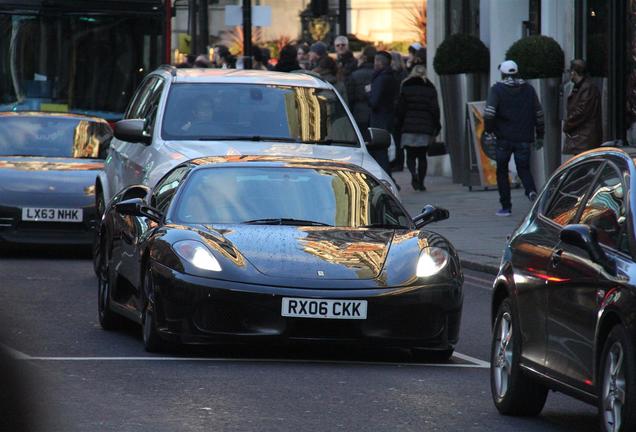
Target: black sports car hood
[(25, 180), (310, 252)]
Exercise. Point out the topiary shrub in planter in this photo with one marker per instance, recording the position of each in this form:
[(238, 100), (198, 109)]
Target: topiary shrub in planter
[(537, 56), (461, 53)]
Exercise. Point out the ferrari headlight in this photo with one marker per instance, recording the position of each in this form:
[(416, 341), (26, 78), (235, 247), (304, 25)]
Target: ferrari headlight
[(197, 254), (432, 260)]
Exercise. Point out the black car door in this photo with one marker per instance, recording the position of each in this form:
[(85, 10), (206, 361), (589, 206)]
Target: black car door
[(577, 285), (530, 248), (160, 200)]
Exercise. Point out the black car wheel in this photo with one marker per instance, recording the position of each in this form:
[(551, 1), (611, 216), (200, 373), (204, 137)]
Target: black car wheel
[(152, 340), (108, 319), (99, 209), (617, 378), (513, 392)]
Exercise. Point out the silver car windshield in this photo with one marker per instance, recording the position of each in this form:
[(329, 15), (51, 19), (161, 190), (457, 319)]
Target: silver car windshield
[(312, 196), (256, 112)]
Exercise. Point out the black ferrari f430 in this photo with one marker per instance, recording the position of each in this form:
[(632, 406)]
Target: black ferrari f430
[(240, 249)]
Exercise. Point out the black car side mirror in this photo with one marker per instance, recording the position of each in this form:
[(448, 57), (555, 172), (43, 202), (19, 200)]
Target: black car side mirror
[(380, 139), (138, 207), (430, 214), (586, 238), (132, 130)]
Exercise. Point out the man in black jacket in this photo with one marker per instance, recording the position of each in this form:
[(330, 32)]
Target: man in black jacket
[(514, 115), (357, 96), (383, 94)]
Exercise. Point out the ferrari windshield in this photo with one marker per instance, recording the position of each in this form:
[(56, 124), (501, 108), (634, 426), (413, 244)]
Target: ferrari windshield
[(287, 196), (52, 136), (252, 111)]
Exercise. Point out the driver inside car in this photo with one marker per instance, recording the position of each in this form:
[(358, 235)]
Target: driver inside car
[(201, 117)]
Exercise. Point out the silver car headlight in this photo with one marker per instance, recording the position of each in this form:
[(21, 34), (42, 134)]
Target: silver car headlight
[(432, 260), (197, 254)]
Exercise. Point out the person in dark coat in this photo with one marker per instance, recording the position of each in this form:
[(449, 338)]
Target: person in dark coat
[(583, 126), (399, 69), (417, 122), (382, 95), (287, 59), (328, 71), (356, 94)]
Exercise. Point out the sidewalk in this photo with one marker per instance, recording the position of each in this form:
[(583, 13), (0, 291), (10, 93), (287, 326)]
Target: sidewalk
[(478, 235)]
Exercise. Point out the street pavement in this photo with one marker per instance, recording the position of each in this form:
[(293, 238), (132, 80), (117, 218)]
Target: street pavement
[(82, 378), (478, 235)]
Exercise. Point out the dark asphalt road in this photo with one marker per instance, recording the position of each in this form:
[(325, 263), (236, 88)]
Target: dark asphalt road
[(85, 379)]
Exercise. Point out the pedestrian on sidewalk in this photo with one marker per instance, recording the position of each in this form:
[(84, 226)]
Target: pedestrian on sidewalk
[(357, 96), (514, 116), (417, 122), (287, 59), (345, 60), (582, 127), (383, 92)]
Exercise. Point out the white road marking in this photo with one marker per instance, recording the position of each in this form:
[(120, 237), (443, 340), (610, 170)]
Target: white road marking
[(474, 362), (15, 353)]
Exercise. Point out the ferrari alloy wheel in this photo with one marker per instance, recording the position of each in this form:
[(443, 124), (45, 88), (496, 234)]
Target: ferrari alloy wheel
[(616, 377), (152, 340), (108, 319), (513, 392)]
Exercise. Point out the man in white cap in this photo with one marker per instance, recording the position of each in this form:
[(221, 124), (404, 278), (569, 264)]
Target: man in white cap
[(514, 116)]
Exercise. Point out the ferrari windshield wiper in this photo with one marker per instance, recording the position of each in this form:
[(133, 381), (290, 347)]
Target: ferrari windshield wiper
[(245, 138), (384, 225), (284, 221)]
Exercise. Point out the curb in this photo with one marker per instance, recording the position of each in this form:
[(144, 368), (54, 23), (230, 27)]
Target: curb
[(481, 267)]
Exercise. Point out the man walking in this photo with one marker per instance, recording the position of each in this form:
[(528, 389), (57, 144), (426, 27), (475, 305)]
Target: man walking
[(582, 127), (514, 115), (383, 94)]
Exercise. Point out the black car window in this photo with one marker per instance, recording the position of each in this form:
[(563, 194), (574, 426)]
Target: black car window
[(568, 197), (149, 110), (139, 99), (605, 210), (548, 193), (311, 196), (166, 188)]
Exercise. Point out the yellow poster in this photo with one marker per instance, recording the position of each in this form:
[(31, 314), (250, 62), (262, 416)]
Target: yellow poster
[(484, 156)]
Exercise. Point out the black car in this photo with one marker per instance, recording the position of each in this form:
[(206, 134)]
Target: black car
[(564, 302), (256, 248), (48, 166)]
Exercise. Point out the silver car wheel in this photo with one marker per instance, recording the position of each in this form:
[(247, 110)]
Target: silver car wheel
[(502, 355), (614, 388)]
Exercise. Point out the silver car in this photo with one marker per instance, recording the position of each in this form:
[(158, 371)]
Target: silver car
[(181, 114)]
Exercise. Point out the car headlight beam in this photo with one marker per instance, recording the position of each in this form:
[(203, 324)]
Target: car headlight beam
[(197, 254), (432, 260)]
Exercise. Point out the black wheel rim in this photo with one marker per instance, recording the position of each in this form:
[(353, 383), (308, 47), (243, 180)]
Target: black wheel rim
[(148, 317), (103, 283)]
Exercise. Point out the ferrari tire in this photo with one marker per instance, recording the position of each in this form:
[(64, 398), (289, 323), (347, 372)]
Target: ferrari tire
[(152, 340), (513, 392), (108, 319)]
